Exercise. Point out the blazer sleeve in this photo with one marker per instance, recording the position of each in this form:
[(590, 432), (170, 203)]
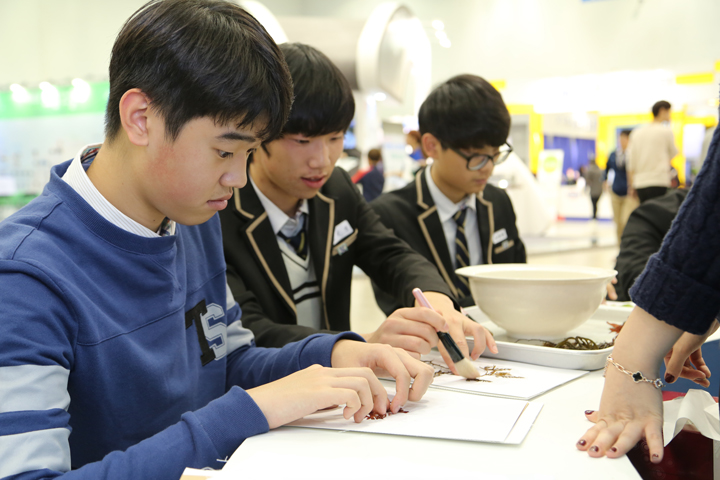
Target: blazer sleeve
[(267, 332), (389, 261)]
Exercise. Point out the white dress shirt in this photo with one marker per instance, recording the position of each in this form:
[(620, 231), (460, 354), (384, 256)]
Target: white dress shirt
[(77, 178), (301, 271), (446, 209)]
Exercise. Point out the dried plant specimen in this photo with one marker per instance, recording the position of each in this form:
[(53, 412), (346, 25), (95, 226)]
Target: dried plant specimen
[(380, 416), (615, 327), (487, 371)]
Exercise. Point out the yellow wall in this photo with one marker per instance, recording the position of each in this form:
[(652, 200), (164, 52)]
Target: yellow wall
[(608, 125)]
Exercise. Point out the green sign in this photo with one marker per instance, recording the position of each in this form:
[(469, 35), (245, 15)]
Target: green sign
[(65, 101), (550, 164)]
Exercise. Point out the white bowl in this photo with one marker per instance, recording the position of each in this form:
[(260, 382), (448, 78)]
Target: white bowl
[(537, 301)]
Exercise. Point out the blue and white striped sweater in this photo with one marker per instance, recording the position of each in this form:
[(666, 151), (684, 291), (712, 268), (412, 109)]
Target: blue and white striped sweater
[(118, 354)]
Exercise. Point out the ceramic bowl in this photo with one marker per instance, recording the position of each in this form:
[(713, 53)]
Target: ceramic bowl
[(537, 301)]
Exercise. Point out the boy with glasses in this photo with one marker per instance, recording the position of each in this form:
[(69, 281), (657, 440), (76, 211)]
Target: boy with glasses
[(450, 214)]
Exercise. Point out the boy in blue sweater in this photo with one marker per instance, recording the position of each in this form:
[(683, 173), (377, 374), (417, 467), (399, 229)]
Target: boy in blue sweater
[(122, 354)]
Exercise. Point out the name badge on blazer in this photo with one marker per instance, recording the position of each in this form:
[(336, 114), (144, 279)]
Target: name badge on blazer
[(505, 245), (499, 236), (342, 230)]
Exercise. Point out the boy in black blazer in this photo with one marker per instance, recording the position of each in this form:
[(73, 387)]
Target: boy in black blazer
[(450, 214), (293, 235)]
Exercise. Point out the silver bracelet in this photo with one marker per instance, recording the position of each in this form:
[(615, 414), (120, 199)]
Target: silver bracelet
[(636, 376)]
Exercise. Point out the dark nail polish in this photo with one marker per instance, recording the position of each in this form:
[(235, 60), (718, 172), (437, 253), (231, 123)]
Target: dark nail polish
[(613, 449), (655, 456), (589, 412), (594, 449), (669, 378), (582, 443)]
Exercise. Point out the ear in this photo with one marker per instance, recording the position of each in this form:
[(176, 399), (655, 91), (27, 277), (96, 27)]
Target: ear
[(430, 145), (134, 111)]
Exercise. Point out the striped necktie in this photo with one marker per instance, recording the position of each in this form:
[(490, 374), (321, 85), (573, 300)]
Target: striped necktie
[(298, 241), (462, 255)]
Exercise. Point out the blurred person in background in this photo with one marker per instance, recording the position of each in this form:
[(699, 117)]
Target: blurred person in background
[(371, 179), (622, 203), (595, 178), (652, 147), (415, 151)]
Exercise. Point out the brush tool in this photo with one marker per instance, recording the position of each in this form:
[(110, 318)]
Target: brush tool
[(462, 364)]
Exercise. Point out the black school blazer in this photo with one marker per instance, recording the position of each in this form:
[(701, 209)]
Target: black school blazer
[(260, 284)]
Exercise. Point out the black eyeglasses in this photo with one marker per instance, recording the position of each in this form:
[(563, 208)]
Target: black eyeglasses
[(476, 161)]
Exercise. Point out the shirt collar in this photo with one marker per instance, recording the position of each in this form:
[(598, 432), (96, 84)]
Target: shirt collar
[(77, 178), (446, 208), (277, 217)]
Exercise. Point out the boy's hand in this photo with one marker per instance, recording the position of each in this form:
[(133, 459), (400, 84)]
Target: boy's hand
[(315, 388), (412, 329), (460, 327), (385, 360)]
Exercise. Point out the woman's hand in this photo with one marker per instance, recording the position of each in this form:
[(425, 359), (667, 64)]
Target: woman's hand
[(628, 412), (685, 359)]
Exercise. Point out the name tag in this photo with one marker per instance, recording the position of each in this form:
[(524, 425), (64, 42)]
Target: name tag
[(342, 230), (499, 236)]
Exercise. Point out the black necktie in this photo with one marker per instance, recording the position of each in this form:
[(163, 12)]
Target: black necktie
[(462, 255), (297, 241)]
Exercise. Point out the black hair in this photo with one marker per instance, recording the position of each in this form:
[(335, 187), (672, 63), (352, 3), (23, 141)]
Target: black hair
[(465, 112), (200, 58), (626, 132), (661, 105), (323, 98), (375, 155)]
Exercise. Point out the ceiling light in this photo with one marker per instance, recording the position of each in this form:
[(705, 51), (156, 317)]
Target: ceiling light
[(438, 25)]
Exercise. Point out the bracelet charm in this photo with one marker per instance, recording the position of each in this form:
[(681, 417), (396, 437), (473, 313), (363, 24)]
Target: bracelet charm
[(637, 377)]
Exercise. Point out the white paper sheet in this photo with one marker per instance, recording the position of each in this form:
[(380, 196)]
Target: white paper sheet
[(697, 407), (444, 415), (529, 380)]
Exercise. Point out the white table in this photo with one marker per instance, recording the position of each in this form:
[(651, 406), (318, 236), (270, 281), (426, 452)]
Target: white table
[(548, 451)]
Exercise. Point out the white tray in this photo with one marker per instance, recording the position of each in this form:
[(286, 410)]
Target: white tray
[(595, 329)]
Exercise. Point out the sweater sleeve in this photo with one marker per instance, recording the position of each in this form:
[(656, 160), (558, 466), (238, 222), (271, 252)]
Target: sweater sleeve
[(252, 366), (681, 283), (38, 335), (37, 355)]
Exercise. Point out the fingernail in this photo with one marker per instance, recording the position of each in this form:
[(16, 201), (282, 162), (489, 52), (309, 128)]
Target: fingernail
[(446, 327), (655, 456), (669, 378), (594, 448), (582, 443), (613, 449), (589, 412)]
